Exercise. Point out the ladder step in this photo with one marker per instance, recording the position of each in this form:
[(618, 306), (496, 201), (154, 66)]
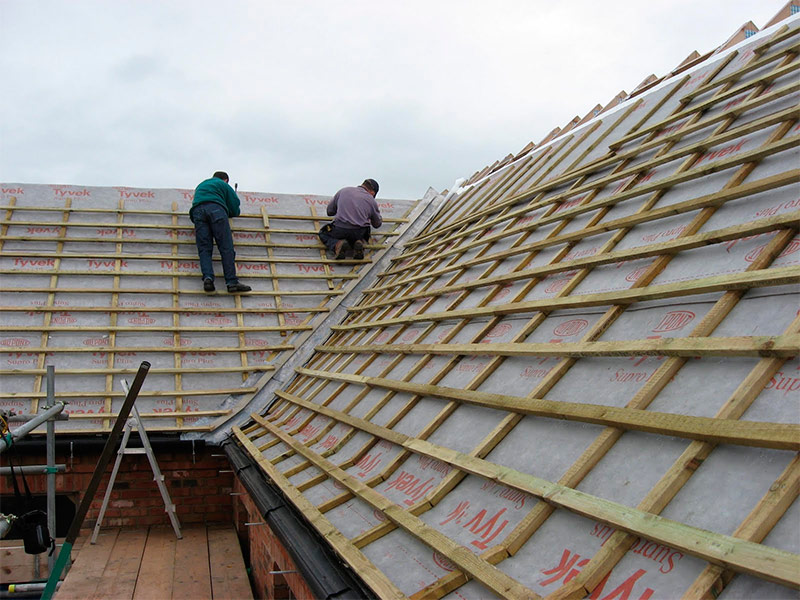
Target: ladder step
[(135, 424)]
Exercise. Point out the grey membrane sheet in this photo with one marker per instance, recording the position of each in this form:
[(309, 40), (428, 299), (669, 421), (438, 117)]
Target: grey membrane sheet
[(64, 248)]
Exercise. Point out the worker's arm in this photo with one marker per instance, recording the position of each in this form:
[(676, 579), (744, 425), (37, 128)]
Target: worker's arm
[(333, 205), (232, 200), (375, 217)]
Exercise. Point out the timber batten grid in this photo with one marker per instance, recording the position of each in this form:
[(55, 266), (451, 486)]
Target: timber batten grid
[(562, 386)]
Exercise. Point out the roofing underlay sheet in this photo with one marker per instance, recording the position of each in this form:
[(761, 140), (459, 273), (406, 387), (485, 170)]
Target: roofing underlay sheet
[(97, 280), (582, 375)]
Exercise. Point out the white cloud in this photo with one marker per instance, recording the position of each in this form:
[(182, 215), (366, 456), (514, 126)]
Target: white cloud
[(308, 96)]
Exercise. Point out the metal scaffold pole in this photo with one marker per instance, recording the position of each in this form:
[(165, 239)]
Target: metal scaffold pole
[(51, 464), (20, 432)]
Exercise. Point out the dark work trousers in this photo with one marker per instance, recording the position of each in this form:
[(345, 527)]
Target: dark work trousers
[(211, 225), (330, 234)]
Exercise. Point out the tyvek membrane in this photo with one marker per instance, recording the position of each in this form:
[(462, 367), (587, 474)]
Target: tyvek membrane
[(565, 543), (479, 513), (421, 412), (410, 564), (658, 319), (614, 478), (726, 466), (406, 486), (761, 311), (783, 536), (471, 591), (779, 401)]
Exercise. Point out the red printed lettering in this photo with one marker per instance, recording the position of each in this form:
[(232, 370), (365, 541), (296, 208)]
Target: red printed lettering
[(714, 155), (310, 431), (486, 530), (167, 264), (497, 331), (124, 194), (624, 590), (106, 264), (571, 327), (570, 565), (42, 262), (457, 513), (564, 569), (556, 286), (72, 193), (569, 204), (783, 382), (38, 230), (656, 552), (367, 463), (411, 486), (63, 318), (329, 442), (311, 268), (16, 342), (254, 199), (181, 233), (674, 320)]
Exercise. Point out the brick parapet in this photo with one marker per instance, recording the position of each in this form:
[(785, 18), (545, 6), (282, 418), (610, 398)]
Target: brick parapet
[(196, 482)]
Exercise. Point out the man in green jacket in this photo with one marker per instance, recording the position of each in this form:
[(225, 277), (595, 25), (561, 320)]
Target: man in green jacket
[(214, 203)]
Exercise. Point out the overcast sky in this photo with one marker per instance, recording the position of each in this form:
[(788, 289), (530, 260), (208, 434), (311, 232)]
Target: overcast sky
[(305, 97)]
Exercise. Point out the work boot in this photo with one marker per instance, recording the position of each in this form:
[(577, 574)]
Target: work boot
[(340, 248), (238, 287), (208, 285), (358, 250)]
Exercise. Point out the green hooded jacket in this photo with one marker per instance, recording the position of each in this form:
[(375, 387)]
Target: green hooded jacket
[(218, 191)]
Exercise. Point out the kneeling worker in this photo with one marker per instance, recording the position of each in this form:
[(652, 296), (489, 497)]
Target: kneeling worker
[(355, 210), (214, 202)]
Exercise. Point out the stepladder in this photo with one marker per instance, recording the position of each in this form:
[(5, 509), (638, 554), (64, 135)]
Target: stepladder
[(135, 422)]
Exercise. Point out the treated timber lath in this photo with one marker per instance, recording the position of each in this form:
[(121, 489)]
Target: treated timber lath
[(581, 378), (95, 280)]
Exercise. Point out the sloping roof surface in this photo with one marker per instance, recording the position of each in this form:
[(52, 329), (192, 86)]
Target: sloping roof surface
[(582, 378), (96, 280)]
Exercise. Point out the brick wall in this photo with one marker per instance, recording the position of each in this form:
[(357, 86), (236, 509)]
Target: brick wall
[(267, 554), (200, 492)]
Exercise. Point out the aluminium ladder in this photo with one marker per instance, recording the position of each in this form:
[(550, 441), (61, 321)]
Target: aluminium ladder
[(135, 421)]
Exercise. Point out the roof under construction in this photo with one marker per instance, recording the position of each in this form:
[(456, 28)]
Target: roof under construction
[(575, 374)]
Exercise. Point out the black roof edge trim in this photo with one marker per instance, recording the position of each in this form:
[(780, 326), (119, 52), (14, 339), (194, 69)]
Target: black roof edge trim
[(323, 570)]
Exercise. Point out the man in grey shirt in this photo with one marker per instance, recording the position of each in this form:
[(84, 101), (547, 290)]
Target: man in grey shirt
[(354, 209)]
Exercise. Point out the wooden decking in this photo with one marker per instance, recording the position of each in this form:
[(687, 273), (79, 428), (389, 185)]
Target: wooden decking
[(151, 564)]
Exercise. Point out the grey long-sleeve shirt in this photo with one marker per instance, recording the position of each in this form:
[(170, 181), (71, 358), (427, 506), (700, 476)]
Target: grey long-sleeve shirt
[(354, 207)]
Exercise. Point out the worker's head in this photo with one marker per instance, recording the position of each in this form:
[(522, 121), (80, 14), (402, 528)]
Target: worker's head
[(221, 175), (371, 186)]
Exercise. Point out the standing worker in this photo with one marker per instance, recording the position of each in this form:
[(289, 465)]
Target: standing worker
[(214, 202), (355, 210)]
